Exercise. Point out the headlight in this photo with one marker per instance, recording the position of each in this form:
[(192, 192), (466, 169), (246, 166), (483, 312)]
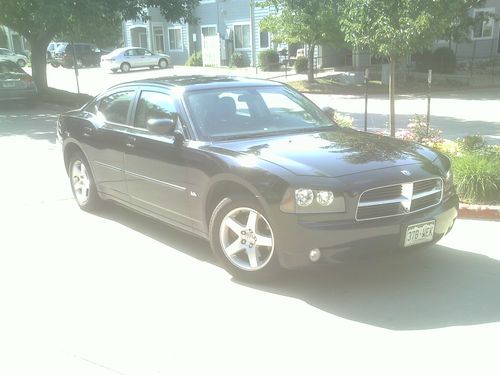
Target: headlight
[(304, 197), (305, 200), (324, 198)]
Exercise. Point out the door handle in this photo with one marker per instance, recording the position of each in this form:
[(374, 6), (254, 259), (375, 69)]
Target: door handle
[(131, 142), (87, 131)]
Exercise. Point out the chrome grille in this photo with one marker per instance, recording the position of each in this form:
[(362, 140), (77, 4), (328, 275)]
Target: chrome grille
[(399, 199)]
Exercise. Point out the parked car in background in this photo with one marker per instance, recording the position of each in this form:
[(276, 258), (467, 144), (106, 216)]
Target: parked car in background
[(85, 54), (128, 58), (257, 169), (15, 83), (51, 49), (7, 54)]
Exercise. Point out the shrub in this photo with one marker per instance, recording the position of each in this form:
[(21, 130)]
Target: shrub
[(416, 131), (423, 61), (301, 64), (239, 60), (344, 121), (444, 60), (196, 59), (477, 178), (472, 143), (269, 60)]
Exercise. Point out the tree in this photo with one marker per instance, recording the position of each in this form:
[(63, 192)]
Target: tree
[(312, 22), (398, 28), (39, 21)]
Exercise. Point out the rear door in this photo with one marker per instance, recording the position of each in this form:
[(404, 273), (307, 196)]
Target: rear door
[(106, 141)]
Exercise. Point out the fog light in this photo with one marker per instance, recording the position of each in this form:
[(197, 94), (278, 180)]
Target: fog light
[(314, 255)]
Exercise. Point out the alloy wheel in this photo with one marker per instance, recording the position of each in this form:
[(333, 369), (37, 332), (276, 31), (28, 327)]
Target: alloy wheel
[(246, 239), (80, 181)]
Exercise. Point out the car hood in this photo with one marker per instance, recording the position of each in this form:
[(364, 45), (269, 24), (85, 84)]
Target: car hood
[(329, 154)]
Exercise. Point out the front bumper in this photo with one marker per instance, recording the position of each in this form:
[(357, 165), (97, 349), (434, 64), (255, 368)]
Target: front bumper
[(343, 240)]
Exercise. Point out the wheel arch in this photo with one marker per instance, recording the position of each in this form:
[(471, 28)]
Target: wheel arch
[(70, 149), (225, 187)]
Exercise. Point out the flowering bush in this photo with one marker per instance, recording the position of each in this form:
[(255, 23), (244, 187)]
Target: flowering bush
[(416, 131)]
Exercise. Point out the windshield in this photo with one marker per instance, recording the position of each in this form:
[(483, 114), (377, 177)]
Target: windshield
[(249, 112)]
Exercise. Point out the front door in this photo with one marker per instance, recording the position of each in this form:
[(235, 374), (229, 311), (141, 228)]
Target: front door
[(155, 174)]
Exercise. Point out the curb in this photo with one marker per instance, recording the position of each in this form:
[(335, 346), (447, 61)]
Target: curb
[(477, 211)]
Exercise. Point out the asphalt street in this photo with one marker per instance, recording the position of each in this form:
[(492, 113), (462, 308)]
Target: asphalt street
[(117, 293), (456, 114)]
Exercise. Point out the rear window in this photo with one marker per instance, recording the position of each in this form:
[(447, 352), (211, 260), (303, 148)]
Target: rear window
[(10, 67)]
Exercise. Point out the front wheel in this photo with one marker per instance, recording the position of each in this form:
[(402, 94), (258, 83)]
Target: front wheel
[(82, 183), (243, 240), (21, 63)]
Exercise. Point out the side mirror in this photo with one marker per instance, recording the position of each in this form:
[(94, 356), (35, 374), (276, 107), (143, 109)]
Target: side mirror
[(329, 111), (164, 126)]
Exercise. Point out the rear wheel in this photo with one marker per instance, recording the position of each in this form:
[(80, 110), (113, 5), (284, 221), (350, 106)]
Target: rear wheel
[(82, 183), (125, 67), (163, 64), (242, 239)]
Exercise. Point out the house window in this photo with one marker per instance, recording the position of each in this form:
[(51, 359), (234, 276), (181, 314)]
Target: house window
[(242, 36), (159, 38), (264, 39), (209, 30), (483, 23), (175, 39)]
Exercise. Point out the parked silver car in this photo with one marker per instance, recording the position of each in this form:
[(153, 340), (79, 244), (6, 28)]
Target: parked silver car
[(7, 54), (128, 58)]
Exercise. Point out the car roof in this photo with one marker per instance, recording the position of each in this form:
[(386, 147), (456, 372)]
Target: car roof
[(201, 82)]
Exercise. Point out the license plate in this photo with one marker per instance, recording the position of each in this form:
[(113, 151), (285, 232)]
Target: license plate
[(419, 233), (9, 84)]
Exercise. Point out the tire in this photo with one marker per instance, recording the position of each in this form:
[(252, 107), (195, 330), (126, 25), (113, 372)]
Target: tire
[(21, 63), (55, 64), (242, 239), (152, 67), (163, 64), (125, 67), (82, 183), (114, 70)]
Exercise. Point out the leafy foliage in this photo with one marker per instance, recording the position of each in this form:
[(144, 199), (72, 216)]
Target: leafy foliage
[(477, 177), (196, 59), (472, 143), (40, 21), (239, 60), (416, 131), (444, 60), (310, 22), (300, 64), (269, 60)]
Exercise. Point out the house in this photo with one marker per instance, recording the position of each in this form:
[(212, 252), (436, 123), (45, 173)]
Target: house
[(236, 22), (484, 36), (14, 41)]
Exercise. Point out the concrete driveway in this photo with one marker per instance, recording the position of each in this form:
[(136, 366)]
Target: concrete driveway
[(117, 293)]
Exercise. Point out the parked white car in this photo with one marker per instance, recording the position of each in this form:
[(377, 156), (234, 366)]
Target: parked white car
[(7, 54), (128, 58)]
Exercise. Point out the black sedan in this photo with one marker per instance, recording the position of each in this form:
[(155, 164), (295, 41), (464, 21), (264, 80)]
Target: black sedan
[(255, 168), (15, 83)]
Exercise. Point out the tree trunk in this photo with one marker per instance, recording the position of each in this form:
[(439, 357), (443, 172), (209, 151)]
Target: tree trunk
[(39, 62), (392, 94), (310, 63)]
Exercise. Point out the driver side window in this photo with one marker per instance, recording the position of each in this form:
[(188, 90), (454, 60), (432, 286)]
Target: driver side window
[(153, 106)]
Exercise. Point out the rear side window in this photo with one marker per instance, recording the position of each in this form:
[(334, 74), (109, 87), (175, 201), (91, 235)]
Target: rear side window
[(114, 108), (153, 106)]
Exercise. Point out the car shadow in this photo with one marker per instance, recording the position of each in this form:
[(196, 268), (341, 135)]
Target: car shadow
[(411, 289)]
